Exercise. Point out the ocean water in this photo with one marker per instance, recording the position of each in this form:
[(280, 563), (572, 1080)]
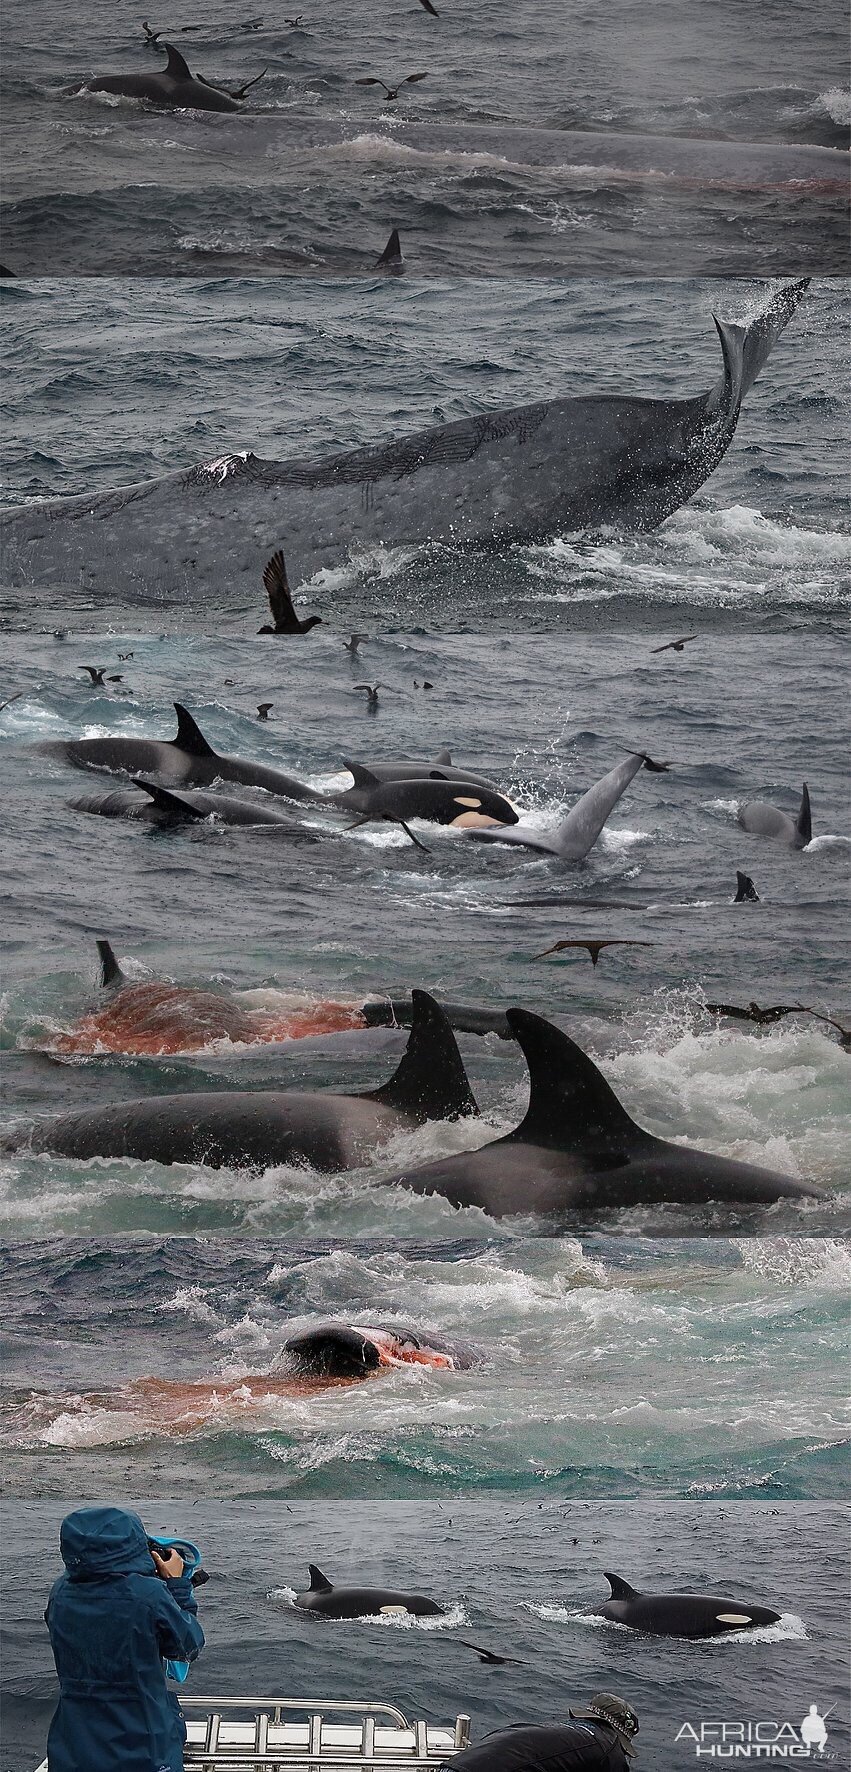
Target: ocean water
[(621, 1367), (479, 164), (523, 1581), (542, 674)]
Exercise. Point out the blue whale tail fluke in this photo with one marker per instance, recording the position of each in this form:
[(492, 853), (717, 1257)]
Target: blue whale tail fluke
[(430, 1082), (189, 736), (319, 1583), (804, 822), (176, 66), (110, 971), (745, 348), (571, 1106), (621, 1590)]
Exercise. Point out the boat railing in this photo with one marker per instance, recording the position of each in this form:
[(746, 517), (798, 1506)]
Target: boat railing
[(343, 1733)]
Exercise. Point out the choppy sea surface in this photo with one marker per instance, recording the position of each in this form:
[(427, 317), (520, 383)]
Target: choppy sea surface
[(611, 1367), (520, 1580), (547, 137), (542, 673)]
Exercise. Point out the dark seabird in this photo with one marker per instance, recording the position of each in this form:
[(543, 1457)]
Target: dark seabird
[(392, 92), (280, 601), (489, 1657), (97, 675), (753, 1012), (371, 695), (594, 947), (232, 91), (675, 645), (355, 641)]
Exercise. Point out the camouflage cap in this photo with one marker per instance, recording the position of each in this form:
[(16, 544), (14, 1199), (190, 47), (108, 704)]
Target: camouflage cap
[(604, 1707)]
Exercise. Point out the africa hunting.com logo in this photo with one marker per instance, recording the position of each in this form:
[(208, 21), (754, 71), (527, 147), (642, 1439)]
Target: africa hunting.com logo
[(763, 1741)]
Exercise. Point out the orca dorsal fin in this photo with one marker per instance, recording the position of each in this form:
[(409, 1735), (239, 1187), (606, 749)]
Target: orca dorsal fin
[(169, 802), (110, 971), (430, 1082), (189, 736), (804, 822), (319, 1583), (443, 758), (392, 254), (176, 66), (363, 777), (571, 1106), (621, 1590)]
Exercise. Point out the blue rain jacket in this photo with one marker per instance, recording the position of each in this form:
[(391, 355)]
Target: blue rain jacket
[(112, 1621)]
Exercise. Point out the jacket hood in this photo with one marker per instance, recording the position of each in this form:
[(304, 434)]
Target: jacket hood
[(100, 1541)]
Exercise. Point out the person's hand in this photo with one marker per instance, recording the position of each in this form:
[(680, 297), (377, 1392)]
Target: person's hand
[(169, 1566)]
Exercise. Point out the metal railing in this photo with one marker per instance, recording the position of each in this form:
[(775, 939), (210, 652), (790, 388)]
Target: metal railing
[(305, 1746)]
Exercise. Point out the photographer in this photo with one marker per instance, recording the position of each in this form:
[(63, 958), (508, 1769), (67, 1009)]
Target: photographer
[(118, 1612), (597, 1739)]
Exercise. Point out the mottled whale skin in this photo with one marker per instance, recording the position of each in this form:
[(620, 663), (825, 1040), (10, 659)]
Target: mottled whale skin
[(517, 476), (578, 832), (255, 1129), (764, 820), (175, 87), (360, 1602), (680, 1615), (578, 1148)]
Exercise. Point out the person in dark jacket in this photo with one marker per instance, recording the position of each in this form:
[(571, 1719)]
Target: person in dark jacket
[(597, 1739), (113, 1619)]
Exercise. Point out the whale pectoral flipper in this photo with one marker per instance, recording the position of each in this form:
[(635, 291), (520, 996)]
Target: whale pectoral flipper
[(319, 1583), (166, 801), (430, 1082), (189, 736), (110, 971), (571, 1106), (176, 67), (621, 1590)]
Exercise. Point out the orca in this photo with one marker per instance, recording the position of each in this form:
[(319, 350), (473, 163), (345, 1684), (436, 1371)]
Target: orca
[(391, 258), (680, 1615), (746, 892), (176, 86), (442, 768), (578, 832), (462, 803), (768, 821), (578, 1148), (163, 807), (522, 475), (361, 1602), (256, 1129), (186, 760)]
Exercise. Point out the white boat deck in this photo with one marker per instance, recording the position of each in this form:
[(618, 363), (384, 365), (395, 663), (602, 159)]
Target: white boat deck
[(309, 1735)]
